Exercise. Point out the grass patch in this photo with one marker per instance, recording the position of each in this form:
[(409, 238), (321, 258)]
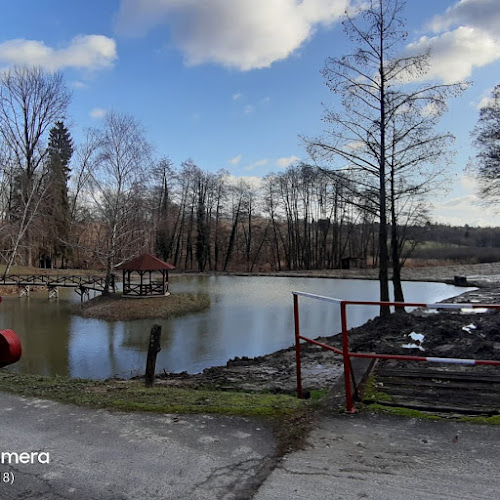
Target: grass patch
[(133, 396), (114, 307), (318, 394), (289, 417)]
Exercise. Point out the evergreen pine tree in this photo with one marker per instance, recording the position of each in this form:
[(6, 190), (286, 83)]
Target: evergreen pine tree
[(60, 150)]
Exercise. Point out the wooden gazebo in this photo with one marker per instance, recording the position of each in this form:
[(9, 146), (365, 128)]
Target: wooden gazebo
[(138, 279)]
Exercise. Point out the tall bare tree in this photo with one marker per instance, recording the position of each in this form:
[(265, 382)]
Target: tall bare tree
[(486, 136), (370, 137), (122, 162), (31, 101)]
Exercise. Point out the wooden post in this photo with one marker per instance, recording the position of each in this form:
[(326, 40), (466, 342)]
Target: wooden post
[(153, 350)]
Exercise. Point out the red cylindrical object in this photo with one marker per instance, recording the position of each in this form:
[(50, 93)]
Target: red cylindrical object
[(10, 348)]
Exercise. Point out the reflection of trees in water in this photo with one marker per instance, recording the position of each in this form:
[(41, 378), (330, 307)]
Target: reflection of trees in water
[(44, 329), (111, 331), (136, 333)]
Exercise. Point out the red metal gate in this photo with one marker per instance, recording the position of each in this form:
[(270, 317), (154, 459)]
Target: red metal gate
[(347, 354)]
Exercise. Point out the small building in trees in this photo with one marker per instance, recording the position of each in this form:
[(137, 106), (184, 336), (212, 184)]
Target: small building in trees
[(145, 276)]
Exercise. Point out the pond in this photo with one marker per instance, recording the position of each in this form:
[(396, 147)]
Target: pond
[(248, 316)]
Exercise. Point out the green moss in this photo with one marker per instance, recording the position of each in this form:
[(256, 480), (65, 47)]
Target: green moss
[(372, 392), (133, 396), (493, 420), (410, 413), (403, 412), (317, 395)]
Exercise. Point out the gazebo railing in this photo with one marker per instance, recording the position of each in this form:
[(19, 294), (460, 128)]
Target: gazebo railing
[(144, 289)]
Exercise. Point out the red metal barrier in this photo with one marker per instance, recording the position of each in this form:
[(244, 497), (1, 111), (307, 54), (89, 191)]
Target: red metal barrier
[(347, 355), (10, 348)]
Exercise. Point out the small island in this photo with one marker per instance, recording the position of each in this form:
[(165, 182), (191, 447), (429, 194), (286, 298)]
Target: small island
[(116, 307)]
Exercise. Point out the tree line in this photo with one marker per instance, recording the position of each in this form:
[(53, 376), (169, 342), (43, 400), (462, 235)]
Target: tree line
[(355, 202)]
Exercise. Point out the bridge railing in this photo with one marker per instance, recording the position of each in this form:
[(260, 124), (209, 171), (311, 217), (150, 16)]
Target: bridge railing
[(90, 281)]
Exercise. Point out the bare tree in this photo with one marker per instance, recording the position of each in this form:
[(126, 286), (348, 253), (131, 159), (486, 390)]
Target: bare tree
[(122, 161), (370, 137), (31, 101), (486, 136)]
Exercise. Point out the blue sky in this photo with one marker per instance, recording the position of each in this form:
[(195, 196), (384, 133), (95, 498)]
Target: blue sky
[(233, 83)]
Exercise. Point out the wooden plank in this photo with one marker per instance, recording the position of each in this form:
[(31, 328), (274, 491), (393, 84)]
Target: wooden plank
[(434, 374), (433, 382)]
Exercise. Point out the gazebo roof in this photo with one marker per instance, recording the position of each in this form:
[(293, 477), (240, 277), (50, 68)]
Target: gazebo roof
[(146, 262)]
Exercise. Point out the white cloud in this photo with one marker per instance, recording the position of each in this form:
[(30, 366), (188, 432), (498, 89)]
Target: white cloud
[(253, 181), (266, 100), (77, 84), (467, 37), (481, 14), (84, 51), (236, 159), (98, 113), (456, 53), (256, 164), (286, 161), (431, 109), (234, 33), (469, 184), (484, 102), (465, 207), (356, 145), (248, 109), (464, 210), (236, 96)]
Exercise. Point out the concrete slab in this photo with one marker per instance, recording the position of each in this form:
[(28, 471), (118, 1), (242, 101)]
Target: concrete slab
[(102, 455), (382, 457)]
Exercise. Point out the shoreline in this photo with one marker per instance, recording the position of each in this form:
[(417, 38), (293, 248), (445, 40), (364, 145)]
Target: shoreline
[(478, 275), (275, 372), (271, 374)]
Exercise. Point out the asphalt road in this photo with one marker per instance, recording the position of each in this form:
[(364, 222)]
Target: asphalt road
[(101, 455), (390, 458)]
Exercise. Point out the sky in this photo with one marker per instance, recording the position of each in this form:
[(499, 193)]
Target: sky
[(235, 84)]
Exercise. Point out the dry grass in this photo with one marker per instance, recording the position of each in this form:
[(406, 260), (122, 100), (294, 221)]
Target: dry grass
[(116, 308)]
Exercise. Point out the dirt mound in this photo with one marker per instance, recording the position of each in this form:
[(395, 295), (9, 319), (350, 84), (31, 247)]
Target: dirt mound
[(443, 334)]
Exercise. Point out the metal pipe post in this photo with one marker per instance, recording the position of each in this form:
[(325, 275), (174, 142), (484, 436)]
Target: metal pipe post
[(347, 360), (297, 345)]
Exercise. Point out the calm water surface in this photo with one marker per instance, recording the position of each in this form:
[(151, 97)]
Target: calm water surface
[(248, 316)]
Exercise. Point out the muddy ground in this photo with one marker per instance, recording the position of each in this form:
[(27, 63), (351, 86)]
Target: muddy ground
[(460, 334), (276, 372)]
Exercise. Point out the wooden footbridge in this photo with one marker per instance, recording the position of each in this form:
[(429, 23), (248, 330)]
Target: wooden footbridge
[(81, 283)]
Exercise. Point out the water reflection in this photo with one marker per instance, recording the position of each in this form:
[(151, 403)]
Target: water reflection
[(249, 316)]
